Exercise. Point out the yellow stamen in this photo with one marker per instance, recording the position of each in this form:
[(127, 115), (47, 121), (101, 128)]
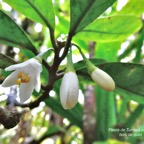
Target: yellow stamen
[(18, 81), (22, 78)]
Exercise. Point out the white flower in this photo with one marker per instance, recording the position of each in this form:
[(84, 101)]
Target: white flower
[(69, 90), (103, 79), (27, 75)]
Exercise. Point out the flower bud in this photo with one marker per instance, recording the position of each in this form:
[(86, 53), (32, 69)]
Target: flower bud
[(98, 75), (103, 79), (69, 90)]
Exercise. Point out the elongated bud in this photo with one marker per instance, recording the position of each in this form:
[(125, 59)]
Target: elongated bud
[(99, 76), (103, 79), (69, 89)]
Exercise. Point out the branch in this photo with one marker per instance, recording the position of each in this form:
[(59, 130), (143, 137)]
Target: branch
[(9, 119), (67, 45), (46, 22)]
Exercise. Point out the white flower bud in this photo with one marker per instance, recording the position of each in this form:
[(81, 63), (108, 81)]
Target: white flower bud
[(103, 79), (69, 90)]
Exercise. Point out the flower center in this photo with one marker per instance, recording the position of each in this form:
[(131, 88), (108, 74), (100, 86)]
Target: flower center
[(22, 78)]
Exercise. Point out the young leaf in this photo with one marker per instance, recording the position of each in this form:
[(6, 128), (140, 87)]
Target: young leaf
[(37, 10), (11, 34), (83, 12), (112, 28)]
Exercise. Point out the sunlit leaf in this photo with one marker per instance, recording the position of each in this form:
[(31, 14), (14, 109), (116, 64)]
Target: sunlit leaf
[(112, 28), (107, 50), (134, 7), (37, 10), (83, 12)]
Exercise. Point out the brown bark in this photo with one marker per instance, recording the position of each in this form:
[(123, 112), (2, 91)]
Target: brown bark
[(9, 119)]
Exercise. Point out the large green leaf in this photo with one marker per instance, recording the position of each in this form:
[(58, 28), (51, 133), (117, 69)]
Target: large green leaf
[(106, 113), (107, 50), (38, 10), (6, 61), (128, 78), (83, 12), (112, 28), (74, 115), (134, 7), (11, 34)]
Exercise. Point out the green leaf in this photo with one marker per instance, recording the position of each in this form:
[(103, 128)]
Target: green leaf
[(106, 113), (83, 12), (6, 61), (128, 77), (11, 34), (123, 109), (134, 7), (134, 116), (37, 10), (74, 115), (107, 50), (112, 28)]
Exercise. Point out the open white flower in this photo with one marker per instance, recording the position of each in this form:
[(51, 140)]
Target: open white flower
[(27, 75), (103, 79), (69, 90)]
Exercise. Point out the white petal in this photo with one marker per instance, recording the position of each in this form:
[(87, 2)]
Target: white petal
[(37, 83), (69, 90), (103, 79), (26, 90), (17, 66), (31, 62), (10, 80), (36, 65), (64, 90)]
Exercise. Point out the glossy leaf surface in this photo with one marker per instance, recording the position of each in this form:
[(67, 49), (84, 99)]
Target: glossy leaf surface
[(112, 28), (83, 12), (11, 34), (37, 10)]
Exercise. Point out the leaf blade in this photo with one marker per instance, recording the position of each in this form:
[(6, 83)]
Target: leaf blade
[(83, 12), (11, 34), (5, 61), (36, 10), (112, 28), (74, 115)]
